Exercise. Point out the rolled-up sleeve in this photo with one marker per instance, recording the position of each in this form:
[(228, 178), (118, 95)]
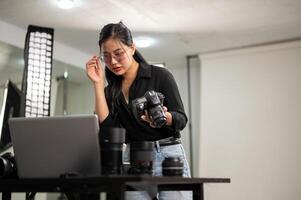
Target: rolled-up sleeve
[(173, 100), (111, 120)]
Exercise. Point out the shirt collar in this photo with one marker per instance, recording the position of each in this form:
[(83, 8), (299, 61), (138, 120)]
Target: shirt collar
[(144, 71)]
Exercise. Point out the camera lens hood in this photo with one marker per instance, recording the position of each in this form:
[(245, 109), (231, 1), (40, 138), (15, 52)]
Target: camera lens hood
[(112, 135), (142, 146)]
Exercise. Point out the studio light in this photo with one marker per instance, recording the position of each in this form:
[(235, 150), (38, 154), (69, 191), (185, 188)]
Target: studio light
[(65, 4), (143, 42), (36, 83)]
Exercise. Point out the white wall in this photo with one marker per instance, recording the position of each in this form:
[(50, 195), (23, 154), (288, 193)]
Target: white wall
[(80, 99), (1, 97), (195, 113), (251, 122)]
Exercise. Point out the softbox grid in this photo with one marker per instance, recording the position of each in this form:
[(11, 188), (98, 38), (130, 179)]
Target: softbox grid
[(36, 83)]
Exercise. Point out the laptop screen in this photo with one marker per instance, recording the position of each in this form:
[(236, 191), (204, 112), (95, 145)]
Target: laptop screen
[(50, 147)]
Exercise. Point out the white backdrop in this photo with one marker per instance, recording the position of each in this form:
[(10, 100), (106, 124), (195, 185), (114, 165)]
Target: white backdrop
[(251, 122)]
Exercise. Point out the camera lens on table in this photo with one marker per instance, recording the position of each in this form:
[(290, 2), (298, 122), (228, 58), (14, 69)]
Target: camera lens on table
[(8, 166), (172, 166), (141, 157), (112, 140)]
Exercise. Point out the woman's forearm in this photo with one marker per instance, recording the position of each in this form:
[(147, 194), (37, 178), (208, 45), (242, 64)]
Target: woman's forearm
[(101, 106)]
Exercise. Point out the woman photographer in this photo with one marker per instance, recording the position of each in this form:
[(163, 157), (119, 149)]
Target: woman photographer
[(129, 77)]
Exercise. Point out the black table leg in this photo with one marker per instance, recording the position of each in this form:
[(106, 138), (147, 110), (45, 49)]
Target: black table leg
[(6, 195), (198, 192), (114, 194)]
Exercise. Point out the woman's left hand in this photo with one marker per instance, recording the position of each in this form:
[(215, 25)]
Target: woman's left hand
[(147, 119)]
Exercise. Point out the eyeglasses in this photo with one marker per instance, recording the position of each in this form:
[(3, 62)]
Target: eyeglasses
[(118, 55)]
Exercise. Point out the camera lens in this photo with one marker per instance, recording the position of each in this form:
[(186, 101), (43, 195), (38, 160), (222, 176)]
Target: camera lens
[(172, 166), (157, 115), (155, 109), (142, 156), (111, 143), (7, 166)]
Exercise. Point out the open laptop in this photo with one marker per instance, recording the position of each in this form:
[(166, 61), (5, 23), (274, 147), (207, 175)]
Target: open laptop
[(51, 147)]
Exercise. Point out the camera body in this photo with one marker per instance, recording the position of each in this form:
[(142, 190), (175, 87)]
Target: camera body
[(152, 102)]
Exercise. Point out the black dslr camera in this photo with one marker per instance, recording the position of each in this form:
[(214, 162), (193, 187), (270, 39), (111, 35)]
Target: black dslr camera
[(152, 102)]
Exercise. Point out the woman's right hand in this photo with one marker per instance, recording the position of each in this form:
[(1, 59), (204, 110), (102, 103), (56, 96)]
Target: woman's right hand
[(94, 70)]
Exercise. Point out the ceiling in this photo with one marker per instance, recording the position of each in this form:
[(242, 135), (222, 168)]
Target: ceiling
[(180, 27)]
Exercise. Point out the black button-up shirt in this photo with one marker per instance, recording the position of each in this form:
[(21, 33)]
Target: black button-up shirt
[(149, 78)]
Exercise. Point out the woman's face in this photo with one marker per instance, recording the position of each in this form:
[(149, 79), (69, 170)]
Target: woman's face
[(117, 56)]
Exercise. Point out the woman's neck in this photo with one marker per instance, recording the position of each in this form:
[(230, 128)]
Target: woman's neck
[(128, 79), (131, 73)]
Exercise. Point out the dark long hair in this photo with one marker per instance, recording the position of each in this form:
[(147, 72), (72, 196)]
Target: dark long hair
[(121, 32)]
